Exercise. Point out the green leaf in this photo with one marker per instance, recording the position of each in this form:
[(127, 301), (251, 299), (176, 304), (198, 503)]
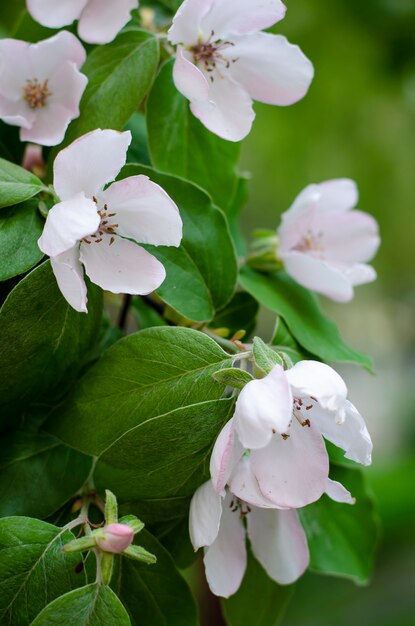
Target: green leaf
[(141, 377), (33, 569), (119, 74), (342, 538), (301, 312), (239, 314), (17, 184), (179, 144), (43, 341), (202, 273), (20, 228), (155, 595), (284, 341), (233, 377), (265, 357), (145, 315), (259, 600), (138, 152), (38, 474), (93, 605)]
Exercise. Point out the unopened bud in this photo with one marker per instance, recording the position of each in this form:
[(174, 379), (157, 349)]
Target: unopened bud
[(114, 538)]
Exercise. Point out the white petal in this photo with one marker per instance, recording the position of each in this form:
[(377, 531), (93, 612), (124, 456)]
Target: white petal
[(47, 56), (121, 267), (55, 13), (319, 381), (67, 223), (292, 472), (188, 79), (186, 23), (279, 544), (318, 275), (90, 162), (339, 194), (270, 68), (49, 126), (144, 211), (225, 455), (228, 113), (15, 68), (101, 20), (359, 274), (225, 560), (351, 435), (244, 485), (263, 407), (248, 16), (298, 220), (205, 514), (70, 278), (338, 493), (16, 113)]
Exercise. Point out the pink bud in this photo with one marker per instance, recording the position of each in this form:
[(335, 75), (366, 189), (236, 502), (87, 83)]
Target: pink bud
[(33, 160), (116, 538)]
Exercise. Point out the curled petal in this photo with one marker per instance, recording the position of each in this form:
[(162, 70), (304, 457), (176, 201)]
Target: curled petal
[(244, 485), (225, 455), (279, 544), (121, 266), (360, 274), (189, 80), (101, 20), (263, 407), (338, 493), (53, 13), (339, 194), (70, 278), (187, 21), (67, 223), (47, 56), (90, 162), (205, 515)]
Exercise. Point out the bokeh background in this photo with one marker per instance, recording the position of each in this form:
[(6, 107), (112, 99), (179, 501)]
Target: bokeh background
[(358, 121)]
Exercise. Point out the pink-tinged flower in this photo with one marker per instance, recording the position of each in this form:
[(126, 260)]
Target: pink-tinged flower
[(33, 160), (277, 539), (325, 245), (93, 225), (99, 20), (115, 538), (224, 62), (41, 86)]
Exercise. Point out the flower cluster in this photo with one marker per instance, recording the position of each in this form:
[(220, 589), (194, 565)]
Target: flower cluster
[(269, 460)]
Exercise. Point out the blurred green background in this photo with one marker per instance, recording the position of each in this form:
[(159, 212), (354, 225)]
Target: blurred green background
[(358, 121)]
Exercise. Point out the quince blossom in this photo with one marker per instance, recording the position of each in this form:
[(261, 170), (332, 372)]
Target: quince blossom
[(224, 62), (324, 245), (99, 20), (41, 86), (93, 225)]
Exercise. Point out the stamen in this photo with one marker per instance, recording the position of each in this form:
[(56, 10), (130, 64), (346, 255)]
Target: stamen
[(36, 94)]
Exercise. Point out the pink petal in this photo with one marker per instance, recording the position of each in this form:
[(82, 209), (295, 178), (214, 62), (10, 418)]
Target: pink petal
[(47, 56), (188, 79), (292, 472), (101, 20), (121, 266), (298, 220), (144, 211), (15, 68), (263, 407), (270, 68), (225, 559), (70, 278), (351, 435), (338, 493), (339, 194), (244, 485), (67, 223), (228, 113), (186, 23), (318, 275), (205, 515), (55, 13), (90, 162), (225, 455), (248, 16), (116, 538), (279, 544)]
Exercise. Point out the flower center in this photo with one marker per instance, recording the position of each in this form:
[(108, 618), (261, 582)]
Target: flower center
[(209, 55), (36, 94), (311, 242), (241, 506), (300, 408), (106, 227)]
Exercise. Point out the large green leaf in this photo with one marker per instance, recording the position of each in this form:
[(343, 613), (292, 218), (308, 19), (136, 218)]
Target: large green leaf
[(33, 569), (20, 228), (43, 341), (179, 144), (140, 378), (17, 184), (342, 538), (154, 595), (239, 314), (259, 600), (38, 474), (93, 605), (119, 74), (201, 274), (299, 309)]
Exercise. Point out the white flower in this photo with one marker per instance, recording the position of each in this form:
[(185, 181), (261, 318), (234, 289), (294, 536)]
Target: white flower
[(93, 226), (277, 539), (324, 245), (41, 86), (224, 62), (99, 20)]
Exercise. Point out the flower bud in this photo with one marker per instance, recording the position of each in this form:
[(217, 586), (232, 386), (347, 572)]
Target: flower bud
[(115, 538)]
